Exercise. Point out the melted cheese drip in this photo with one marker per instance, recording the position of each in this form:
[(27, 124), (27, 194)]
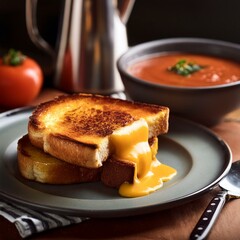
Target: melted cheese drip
[(149, 173)]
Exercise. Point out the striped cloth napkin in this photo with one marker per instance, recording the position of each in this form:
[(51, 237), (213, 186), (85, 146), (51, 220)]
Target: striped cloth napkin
[(29, 222)]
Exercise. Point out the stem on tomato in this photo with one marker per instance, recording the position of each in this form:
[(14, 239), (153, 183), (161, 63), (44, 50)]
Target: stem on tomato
[(13, 58)]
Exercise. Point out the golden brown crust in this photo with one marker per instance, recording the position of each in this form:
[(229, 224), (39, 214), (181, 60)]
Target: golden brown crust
[(36, 165), (85, 121)]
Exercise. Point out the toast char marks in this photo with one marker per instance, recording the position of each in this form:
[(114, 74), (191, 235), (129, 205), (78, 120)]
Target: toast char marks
[(118, 106), (95, 122)]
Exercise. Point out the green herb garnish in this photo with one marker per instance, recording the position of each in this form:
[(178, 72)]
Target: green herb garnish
[(185, 68)]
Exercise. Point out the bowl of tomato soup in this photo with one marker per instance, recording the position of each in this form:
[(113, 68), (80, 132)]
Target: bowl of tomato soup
[(198, 79)]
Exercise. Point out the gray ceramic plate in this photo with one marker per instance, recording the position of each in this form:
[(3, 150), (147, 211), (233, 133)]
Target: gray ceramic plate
[(200, 158)]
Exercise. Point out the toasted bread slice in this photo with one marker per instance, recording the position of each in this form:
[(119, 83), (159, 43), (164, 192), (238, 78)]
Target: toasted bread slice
[(36, 165), (77, 128)]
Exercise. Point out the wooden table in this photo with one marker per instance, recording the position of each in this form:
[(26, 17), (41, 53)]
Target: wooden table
[(175, 223)]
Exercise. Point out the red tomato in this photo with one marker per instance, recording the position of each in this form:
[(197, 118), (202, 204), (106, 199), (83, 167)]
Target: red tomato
[(19, 84)]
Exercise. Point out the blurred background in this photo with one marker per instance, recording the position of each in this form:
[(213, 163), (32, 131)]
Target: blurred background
[(150, 20)]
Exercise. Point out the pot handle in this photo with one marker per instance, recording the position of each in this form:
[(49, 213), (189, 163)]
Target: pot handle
[(32, 28)]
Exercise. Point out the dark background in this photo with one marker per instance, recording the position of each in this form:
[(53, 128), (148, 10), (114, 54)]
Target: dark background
[(150, 20)]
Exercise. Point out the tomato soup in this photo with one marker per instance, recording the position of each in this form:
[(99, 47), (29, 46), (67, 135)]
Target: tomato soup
[(210, 70)]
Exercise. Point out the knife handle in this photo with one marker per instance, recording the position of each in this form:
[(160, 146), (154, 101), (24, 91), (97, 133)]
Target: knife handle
[(209, 216)]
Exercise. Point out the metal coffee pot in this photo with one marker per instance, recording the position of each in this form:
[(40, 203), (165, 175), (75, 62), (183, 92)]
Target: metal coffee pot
[(91, 38)]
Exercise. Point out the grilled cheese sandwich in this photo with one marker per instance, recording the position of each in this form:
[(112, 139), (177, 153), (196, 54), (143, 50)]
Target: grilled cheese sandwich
[(91, 130)]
